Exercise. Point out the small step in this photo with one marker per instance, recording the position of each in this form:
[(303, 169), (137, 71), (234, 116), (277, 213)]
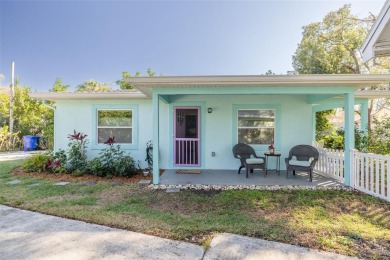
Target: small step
[(14, 182), (62, 183), (144, 182)]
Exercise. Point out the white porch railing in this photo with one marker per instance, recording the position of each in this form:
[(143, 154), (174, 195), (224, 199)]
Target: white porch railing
[(330, 162), (370, 173)]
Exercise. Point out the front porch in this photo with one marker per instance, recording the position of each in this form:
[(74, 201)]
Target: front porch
[(231, 178)]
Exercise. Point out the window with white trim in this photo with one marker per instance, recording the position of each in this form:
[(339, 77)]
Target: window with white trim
[(256, 126), (117, 123)]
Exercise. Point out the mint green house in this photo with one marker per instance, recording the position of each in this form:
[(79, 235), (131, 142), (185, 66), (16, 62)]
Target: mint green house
[(195, 121)]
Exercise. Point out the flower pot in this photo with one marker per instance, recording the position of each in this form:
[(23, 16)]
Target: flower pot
[(146, 174)]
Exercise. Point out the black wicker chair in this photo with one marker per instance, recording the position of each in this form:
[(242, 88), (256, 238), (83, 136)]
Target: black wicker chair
[(249, 159), (302, 158)]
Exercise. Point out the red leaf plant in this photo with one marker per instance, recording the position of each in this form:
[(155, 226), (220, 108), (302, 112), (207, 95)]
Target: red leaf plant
[(52, 164), (110, 140), (77, 136)]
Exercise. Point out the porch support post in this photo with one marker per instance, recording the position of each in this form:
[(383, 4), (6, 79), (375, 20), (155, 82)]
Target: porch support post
[(314, 125), (156, 169), (349, 144), (364, 116)]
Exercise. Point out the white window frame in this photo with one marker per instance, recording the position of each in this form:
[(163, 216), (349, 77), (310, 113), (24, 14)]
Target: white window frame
[(113, 127)]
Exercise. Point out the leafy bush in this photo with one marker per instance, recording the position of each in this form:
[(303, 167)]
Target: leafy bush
[(149, 154), (36, 163), (336, 140), (379, 137), (9, 141), (113, 162), (56, 162), (77, 162)]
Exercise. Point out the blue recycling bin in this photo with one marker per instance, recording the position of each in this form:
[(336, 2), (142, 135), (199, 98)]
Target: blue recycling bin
[(30, 142)]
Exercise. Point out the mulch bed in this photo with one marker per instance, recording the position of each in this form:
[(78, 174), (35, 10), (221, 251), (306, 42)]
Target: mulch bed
[(87, 177)]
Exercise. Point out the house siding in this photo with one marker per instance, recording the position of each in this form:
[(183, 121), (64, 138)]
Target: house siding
[(80, 116), (294, 124)]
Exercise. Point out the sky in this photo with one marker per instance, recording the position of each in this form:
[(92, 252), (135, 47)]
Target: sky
[(82, 40)]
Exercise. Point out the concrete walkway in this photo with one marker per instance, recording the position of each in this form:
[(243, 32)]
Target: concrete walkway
[(30, 235)]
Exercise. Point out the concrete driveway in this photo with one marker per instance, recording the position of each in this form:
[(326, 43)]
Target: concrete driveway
[(30, 235), (16, 155)]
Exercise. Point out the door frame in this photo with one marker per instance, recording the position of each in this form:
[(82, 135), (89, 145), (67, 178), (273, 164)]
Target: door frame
[(199, 135), (169, 143)]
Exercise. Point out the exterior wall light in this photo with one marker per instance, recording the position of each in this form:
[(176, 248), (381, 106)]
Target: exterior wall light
[(209, 110)]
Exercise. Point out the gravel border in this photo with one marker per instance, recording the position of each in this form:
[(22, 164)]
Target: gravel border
[(244, 187)]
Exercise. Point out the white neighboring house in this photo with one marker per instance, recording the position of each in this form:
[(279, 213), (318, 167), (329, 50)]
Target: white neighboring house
[(377, 43)]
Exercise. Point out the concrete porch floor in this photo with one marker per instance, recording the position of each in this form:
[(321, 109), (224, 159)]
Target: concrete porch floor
[(230, 177)]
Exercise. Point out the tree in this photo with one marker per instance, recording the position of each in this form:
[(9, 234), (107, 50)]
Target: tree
[(269, 72), (123, 84), (332, 47), (59, 86), (92, 86), (31, 116), (379, 138)]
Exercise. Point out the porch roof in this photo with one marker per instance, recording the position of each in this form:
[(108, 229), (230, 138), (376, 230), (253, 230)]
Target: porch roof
[(358, 81), (377, 43), (144, 85)]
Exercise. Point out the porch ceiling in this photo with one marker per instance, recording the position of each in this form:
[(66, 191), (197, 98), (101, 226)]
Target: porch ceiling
[(146, 84)]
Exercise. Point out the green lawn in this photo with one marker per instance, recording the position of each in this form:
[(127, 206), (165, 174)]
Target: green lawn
[(338, 221)]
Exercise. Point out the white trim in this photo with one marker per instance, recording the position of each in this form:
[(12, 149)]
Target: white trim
[(373, 45), (372, 94), (145, 84), (54, 96)]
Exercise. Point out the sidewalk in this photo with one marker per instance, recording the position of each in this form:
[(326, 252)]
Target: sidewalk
[(31, 235)]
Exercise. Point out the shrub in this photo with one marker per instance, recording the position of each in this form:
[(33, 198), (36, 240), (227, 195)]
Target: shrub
[(336, 140), (9, 141), (77, 154), (379, 137), (113, 162), (56, 162), (36, 163), (149, 154)]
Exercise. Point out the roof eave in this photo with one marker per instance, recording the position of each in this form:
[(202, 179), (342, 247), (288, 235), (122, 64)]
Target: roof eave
[(358, 81), (368, 47), (55, 96)]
